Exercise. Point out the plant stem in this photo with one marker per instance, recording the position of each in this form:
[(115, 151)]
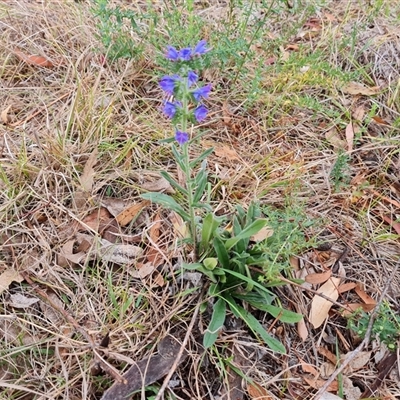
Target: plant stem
[(186, 160)]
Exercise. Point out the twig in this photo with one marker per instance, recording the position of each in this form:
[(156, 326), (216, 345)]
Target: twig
[(179, 355), (366, 340)]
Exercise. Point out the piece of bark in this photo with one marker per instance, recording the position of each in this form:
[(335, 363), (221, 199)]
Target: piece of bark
[(146, 371)]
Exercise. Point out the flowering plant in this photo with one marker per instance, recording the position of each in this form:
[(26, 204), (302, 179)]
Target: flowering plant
[(224, 255), (183, 105)]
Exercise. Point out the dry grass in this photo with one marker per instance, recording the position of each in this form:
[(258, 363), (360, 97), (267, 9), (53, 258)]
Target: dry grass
[(271, 143)]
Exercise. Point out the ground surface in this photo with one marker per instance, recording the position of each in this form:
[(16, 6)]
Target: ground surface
[(304, 116)]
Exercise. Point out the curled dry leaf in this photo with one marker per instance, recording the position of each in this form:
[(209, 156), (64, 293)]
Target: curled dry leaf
[(7, 277), (320, 306), (35, 60)]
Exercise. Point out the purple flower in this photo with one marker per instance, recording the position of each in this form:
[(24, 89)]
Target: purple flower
[(181, 137), (185, 54), (172, 53), (201, 92), (200, 113), (200, 48), (170, 108), (192, 78), (167, 83)]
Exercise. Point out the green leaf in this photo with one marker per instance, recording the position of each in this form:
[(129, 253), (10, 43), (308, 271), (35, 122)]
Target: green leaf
[(202, 156), (166, 201), (201, 182), (210, 263), (173, 182), (254, 325), (281, 314), (210, 225), (247, 280), (178, 158), (216, 323), (251, 230), (222, 254)]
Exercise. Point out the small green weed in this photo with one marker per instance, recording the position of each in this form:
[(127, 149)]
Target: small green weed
[(340, 174), (386, 326), (113, 28)]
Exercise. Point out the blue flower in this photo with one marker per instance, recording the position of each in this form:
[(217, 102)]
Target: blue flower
[(200, 113), (192, 78), (201, 92), (170, 108), (168, 83), (181, 137), (172, 53), (200, 48), (185, 54)]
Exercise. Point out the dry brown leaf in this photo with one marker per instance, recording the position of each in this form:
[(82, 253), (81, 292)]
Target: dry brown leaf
[(319, 277), (160, 185), (349, 136), (379, 120), (332, 136), (224, 151), (96, 220), (302, 330), (131, 212), (364, 296), (358, 113), (355, 88), (4, 115), (310, 369), (327, 354), (67, 254), (262, 234), (346, 287), (159, 280), (358, 362), (257, 392), (394, 225), (87, 177), (38, 61), (142, 270), (114, 206), (320, 306), (318, 383), (351, 307), (7, 277), (179, 225)]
